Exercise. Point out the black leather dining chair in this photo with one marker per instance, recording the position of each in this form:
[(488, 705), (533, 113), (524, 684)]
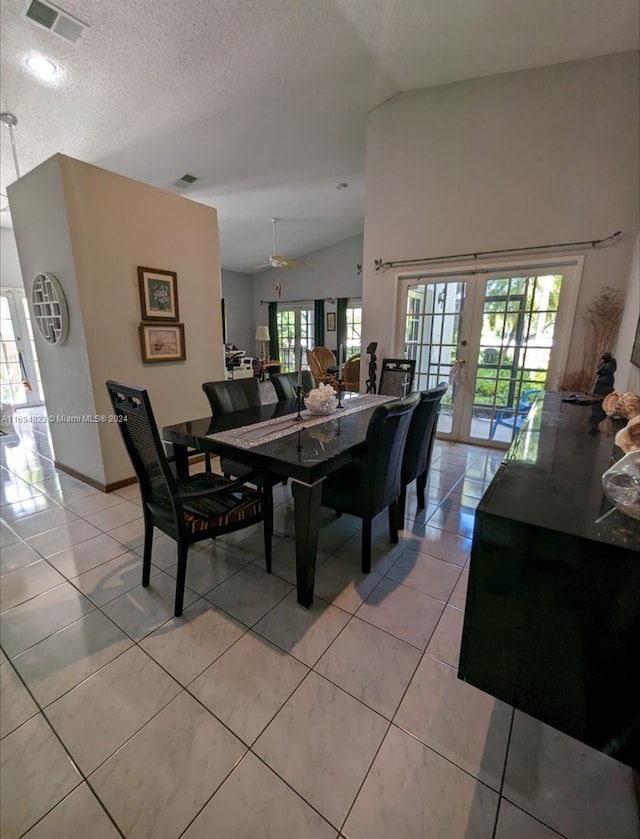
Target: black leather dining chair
[(228, 396), (396, 376), (284, 384), (186, 509), (371, 483), (419, 447)]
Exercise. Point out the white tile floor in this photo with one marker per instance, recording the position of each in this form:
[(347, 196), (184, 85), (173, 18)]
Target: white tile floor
[(249, 716)]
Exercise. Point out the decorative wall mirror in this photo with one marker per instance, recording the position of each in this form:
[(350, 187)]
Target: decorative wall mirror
[(49, 308)]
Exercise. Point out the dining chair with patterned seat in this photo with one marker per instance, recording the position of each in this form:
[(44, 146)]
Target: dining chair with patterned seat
[(187, 509)]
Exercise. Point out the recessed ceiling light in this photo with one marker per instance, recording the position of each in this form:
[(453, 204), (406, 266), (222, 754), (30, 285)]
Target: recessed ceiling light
[(342, 186), (41, 66)]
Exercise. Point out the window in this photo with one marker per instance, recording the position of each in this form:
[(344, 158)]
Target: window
[(295, 333)]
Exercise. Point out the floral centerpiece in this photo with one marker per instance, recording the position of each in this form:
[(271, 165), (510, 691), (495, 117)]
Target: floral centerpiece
[(321, 400)]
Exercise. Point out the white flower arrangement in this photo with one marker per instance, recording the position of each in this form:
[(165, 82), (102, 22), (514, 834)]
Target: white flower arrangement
[(321, 400)]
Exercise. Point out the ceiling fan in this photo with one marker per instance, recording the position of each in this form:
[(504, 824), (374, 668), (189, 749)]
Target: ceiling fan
[(277, 261)]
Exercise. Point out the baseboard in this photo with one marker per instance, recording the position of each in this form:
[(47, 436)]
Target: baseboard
[(125, 482)]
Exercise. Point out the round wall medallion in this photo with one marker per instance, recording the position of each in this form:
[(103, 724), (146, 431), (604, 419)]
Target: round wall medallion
[(49, 308)]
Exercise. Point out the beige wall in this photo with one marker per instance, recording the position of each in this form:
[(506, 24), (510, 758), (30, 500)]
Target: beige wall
[(507, 161), (105, 226), (628, 375)]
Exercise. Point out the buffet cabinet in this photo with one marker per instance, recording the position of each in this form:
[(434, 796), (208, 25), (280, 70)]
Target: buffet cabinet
[(552, 620)]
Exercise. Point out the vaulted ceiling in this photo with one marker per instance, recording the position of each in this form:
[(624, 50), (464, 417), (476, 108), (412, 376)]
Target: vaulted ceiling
[(266, 101)]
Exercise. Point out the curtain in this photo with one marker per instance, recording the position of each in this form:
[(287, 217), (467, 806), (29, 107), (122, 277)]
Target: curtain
[(274, 349), (318, 323), (341, 324)]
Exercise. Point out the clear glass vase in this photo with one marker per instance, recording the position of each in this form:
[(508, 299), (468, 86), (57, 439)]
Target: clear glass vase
[(621, 484)]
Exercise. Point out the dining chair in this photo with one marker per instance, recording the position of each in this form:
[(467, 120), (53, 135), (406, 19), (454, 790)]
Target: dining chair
[(371, 483), (319, 371), (186, 509), (419, 447), (514, 417), (351, 375), (396, 376), (225, 397), (285, 383)]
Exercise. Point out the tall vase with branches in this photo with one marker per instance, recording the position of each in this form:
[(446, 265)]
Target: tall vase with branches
[(602, 319)]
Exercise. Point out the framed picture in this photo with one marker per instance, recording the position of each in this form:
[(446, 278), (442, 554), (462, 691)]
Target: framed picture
[(331, 321), (162, 342), (158, 294)]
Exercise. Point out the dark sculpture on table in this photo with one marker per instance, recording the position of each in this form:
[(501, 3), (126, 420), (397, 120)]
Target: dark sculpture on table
[(373, 367), (604, 380)]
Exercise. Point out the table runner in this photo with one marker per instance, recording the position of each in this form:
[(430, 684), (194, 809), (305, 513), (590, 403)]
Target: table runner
[(248, 436)]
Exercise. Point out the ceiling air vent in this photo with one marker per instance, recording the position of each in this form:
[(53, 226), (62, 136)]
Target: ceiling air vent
[(185, 181), (50, 17)]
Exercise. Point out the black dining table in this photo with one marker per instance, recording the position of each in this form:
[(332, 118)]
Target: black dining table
[(306, 456)]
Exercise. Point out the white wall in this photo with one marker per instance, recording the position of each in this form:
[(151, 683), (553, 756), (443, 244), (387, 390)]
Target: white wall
[(10, 276), (519, 159), (329, 272), (92, 229), (237, 291), (628, 375)]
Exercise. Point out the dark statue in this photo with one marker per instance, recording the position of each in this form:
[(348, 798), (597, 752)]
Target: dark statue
[(604, 379)]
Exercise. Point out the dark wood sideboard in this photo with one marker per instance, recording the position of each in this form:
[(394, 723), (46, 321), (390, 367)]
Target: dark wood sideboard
[(552, 620)]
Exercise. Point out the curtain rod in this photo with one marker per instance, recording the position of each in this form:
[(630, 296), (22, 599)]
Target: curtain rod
[(380, 265), (305, 300)]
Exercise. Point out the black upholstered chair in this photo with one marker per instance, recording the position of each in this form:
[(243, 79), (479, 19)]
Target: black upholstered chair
[(396, 376), (225, 397), (371, 483), (419, 446), (235, 395), (186, 509), (284, 384)]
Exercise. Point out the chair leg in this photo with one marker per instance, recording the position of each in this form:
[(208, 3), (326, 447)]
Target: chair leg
[(183, 549), (148, 545), (421, 483), (393, 522), (207, 462), (338, 514), (402, 508), (267, 523), (366, 546)]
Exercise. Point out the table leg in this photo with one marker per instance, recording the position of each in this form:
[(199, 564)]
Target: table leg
[(307, 521), (181, 460)]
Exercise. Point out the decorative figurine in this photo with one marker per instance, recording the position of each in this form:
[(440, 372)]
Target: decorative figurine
[(604, 380), (371, 381)]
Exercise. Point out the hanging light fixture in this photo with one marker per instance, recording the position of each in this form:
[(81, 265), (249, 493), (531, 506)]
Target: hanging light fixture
[(10, 121)]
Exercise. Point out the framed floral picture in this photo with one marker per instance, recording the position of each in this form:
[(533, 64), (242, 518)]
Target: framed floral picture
[(331, 321), (162, 342), (158, 294)]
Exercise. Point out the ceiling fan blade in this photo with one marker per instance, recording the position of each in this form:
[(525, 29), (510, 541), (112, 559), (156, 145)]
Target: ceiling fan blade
[(293, 263), (263, 265)]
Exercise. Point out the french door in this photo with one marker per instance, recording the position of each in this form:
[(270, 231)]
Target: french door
[(498, 337), (295, 336), (20, 382)]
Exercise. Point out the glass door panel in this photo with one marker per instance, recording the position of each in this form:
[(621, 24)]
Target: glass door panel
[(20, 383), (295, 335), (433, 324), (514, 353)]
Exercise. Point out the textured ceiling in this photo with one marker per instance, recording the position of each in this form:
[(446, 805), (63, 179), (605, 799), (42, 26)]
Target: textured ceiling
[(266, 100)]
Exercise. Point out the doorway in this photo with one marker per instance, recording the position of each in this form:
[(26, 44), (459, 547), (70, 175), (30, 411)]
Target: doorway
[(500, 337), (20, 380), (295, 336)]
